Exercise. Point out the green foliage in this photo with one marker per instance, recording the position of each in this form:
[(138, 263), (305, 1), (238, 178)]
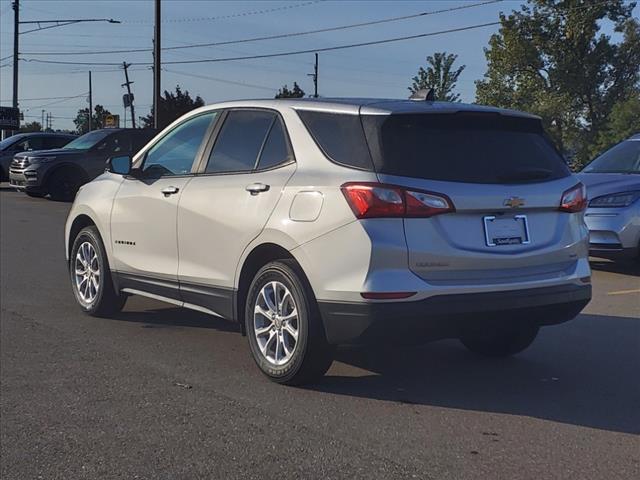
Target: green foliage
[(550, 59), (173, 106), (31, 127), (440, 76), (295, 92), (623, 122), (82, 119)]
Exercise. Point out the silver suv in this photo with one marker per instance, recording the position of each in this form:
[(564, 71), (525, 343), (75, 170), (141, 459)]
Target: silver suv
[(314, 223)]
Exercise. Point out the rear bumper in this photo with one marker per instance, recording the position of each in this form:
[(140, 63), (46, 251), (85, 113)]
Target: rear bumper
[(445, 316)]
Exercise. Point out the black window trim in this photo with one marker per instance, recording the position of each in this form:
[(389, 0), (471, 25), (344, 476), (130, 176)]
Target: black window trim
[(198, 158), (204, 160)]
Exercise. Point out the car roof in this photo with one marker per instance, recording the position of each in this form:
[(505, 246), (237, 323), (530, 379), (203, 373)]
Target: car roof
[(368, 106), (42, 134), (635, 138)]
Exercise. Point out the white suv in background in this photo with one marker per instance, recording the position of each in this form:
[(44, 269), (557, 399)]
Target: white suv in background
[(320, 222)]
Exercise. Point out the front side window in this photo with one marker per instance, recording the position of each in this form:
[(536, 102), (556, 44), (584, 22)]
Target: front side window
[(240, 141), (176, 151)]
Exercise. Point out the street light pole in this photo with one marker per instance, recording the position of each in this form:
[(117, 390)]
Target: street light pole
[(39, 23), (16, 24), (156, 68), (90, 104)]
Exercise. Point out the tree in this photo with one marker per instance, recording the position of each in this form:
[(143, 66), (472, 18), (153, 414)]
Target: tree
[(550, 59), (82, 119), (623, 122), (173, 106), (296, 92), (440, 76), (31, 127)]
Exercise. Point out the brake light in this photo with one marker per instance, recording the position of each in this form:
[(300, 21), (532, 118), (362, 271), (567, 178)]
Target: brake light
[(574, 200), (378, 200)]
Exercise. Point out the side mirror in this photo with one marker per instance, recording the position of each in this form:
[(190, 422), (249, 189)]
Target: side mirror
[(120, 165)]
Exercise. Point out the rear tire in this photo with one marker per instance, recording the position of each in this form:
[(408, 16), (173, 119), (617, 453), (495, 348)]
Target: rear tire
[(35, 194), (502, 342), (91, 277), (63, 185), (291, 346)]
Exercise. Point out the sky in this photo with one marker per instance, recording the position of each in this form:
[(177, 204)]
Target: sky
[(371, 71)]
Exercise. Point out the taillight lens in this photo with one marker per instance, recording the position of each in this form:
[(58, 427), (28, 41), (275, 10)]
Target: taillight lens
[(574, 200), (377, 200)]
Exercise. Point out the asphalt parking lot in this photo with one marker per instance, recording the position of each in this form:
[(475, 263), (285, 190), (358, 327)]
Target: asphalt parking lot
[(161, 392)]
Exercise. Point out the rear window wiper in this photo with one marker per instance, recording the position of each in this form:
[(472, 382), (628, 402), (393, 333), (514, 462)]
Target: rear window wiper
[(525, 175)]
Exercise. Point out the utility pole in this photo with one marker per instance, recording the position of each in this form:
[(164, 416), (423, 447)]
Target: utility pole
[(42, 121), (90, 104), (156, 68), (16, 25), (130, 95), (314, 75)]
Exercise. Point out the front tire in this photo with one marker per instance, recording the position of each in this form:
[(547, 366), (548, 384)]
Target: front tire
[(500, 342), (63, 185), (91, 277), (284, 328)]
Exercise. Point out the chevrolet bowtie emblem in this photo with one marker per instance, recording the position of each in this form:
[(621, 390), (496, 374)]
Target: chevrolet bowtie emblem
[(514, 202)]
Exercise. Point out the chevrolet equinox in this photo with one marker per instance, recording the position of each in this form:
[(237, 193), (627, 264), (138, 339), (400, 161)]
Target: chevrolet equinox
[(314, 223)]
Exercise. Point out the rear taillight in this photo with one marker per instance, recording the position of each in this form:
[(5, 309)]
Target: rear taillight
[(377, 200), (574, 200)]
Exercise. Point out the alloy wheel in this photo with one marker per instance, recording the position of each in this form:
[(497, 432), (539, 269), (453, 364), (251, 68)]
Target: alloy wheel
[(275, 322), (87, 272)]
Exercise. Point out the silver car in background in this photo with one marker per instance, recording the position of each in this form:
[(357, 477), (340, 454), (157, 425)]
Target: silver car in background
[(613, 189)]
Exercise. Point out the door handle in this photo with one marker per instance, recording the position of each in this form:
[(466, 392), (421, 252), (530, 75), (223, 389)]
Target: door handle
[(169, 191), (256, 188)]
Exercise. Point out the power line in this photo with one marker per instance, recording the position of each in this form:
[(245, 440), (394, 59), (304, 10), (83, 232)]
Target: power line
[(221, 80), (283, 54), (233, 15), (57, 101), (280, 36)]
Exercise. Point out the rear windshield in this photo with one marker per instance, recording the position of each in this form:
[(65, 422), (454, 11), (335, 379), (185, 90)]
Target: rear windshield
[(623, 158), (463, 147)]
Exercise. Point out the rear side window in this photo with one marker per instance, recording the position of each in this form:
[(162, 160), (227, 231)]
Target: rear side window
[(340, 136), (276, 149), (56, 142), (464, 147), (240, 141)]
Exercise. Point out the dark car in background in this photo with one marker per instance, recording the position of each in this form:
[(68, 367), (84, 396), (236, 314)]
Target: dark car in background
[(613, 188), (61, 172), (25, 142)]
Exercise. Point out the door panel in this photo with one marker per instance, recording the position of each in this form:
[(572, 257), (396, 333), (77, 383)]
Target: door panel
[(143, 227), (218, 218), (144, 215)]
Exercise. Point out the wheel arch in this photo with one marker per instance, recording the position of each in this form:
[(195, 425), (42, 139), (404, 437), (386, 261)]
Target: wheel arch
[(259, 256), (81, 221), (70, 167)]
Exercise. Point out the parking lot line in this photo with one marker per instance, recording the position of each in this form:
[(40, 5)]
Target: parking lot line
[(624, 292)]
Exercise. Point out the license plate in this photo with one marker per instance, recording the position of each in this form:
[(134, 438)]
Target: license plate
[(500, 231)]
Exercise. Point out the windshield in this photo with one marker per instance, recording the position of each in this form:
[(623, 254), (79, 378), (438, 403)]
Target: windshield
[(88, 140), (9, 141), (623, 158), (463, 147)]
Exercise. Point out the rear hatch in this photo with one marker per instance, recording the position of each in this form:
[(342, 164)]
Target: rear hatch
[(505, 180)]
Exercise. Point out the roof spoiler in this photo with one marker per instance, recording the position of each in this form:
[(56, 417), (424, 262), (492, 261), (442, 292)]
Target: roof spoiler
[(424, 95)]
